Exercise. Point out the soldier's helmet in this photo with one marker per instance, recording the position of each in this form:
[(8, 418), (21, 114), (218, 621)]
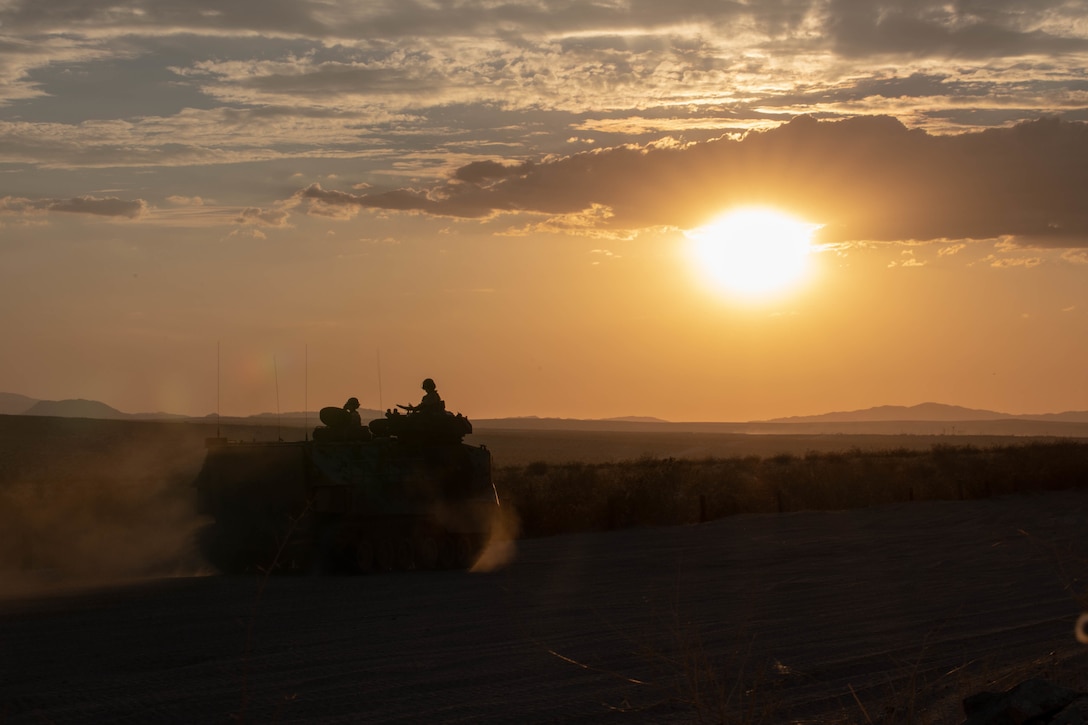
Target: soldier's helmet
[(429, 385), (352, 404)]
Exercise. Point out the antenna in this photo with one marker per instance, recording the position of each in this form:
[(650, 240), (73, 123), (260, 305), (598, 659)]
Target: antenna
[(381, 406), (217, 389), (306, 396), (276, 374)]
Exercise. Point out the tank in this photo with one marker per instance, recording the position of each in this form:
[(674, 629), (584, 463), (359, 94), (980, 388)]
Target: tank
[(403, 492)]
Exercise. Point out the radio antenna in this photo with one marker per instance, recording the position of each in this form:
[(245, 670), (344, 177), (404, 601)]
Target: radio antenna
[(381, 406), (217, 389), (306, 396), (276, 374)]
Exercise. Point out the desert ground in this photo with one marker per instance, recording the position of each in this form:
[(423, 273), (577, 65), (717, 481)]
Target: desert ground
[(886, 614)]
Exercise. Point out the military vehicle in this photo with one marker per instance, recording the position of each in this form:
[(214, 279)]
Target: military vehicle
[(404, 492)]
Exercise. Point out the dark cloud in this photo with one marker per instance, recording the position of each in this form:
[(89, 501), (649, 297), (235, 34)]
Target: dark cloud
[(853, 27), (484, 171), (958, 29), (405, 85), (915, 86), (97, 206), (248, 15), (110, 206), (334, 79), (461, 200), (864, 178)]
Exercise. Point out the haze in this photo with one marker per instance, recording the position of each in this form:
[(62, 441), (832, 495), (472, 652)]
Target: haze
[(287, 202)]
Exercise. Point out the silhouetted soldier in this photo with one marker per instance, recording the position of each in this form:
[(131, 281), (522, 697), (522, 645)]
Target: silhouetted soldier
[(352, 407), (431, 402)]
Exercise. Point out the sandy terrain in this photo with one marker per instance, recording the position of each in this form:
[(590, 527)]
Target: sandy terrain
[(815, 617)]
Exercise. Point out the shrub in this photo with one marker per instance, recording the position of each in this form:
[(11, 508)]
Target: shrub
[(553, 499)]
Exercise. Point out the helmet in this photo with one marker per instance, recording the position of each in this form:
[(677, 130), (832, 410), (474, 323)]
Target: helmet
[(428, 384), (352, 404)]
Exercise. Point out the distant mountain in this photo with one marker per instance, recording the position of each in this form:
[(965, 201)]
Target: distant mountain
[(156, 416), (298, 416), (1070, 416), (75, 409), (15, 404), (628, 424), (927, 412), (936, 412)]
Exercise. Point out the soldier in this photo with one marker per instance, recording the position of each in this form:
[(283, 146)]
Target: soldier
[(431, 402), (352, 407)]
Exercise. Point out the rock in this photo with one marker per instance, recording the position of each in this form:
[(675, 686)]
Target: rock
[(1035, 701), (1076, 713)]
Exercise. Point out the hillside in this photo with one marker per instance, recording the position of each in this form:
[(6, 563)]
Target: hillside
[(929, 412), (75, 409), (15, 404), (920, 412), (922, 419)]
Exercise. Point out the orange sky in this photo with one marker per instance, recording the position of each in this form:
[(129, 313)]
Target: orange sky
[(498, 199)]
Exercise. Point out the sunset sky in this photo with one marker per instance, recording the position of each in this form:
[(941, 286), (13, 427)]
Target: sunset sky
[(343, 198)]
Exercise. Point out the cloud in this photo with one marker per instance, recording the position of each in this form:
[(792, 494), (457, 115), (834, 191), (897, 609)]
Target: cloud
[(388, 56), (111, 206), (453, 200), (585, 223), (603, 254), (258, 217), (907, 259), (958, 29), (193, 137), (1011, 262), (864, 178), (455, 110), (128, 17), (582, 25), (192, 201), (95, 206)]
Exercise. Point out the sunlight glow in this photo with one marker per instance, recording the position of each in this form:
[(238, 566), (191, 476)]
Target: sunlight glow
[(753, 252)]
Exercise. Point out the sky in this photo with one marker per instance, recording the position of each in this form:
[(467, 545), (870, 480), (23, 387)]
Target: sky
[(262, 205)]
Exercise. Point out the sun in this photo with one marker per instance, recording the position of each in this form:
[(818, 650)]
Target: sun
[(753, 252)]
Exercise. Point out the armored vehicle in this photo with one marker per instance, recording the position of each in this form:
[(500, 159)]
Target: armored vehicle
[(404, 492)]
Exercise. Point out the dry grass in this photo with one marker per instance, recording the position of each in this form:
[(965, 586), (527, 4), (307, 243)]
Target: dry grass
[(562, 498)]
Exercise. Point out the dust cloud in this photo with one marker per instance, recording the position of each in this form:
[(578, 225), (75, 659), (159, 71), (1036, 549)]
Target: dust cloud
[(64, 535), (76, 514), (501, 548)]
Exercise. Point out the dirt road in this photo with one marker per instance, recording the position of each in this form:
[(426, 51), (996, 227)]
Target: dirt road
[(818, 617)]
